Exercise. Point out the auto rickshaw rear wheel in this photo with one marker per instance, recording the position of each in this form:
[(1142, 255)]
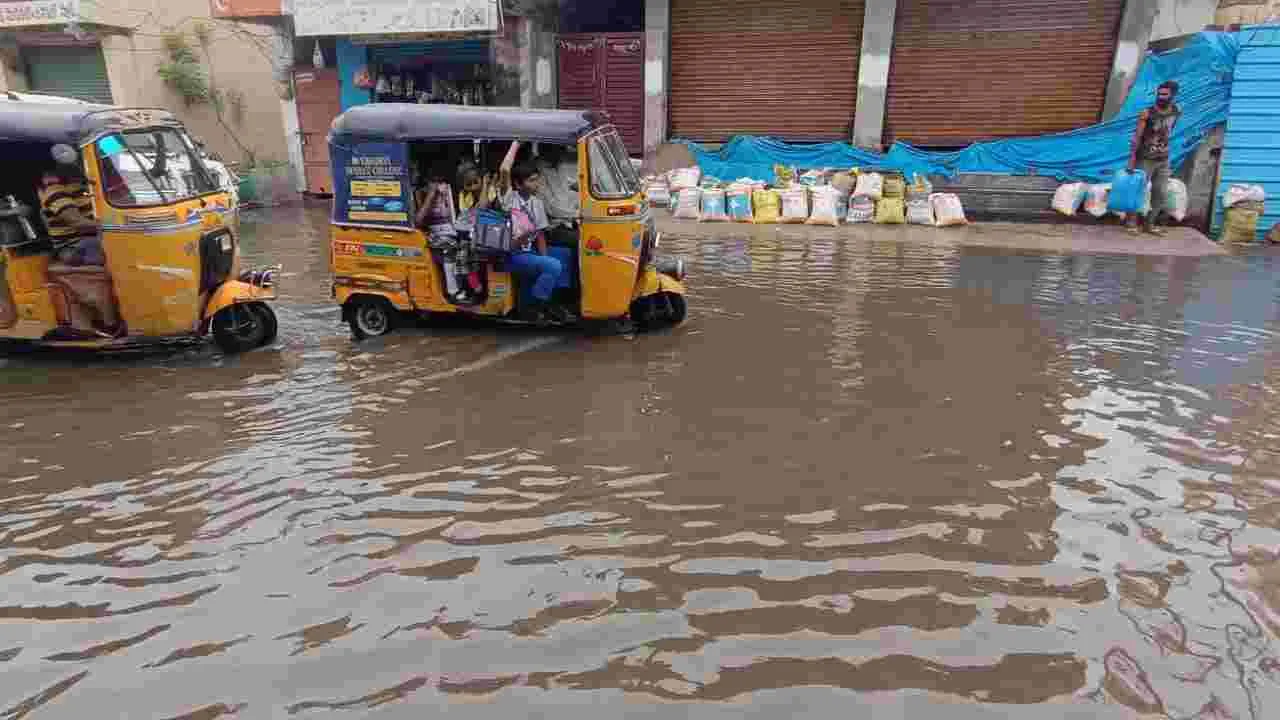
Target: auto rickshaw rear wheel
[(242, 327), (370, 317), (269, 319)]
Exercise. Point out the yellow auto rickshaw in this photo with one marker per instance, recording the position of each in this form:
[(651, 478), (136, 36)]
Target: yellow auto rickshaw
[(165, 265), (384, 265)]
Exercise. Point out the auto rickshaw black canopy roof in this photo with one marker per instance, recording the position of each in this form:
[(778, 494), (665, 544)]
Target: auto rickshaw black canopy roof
[(71, 123), (403, 122)]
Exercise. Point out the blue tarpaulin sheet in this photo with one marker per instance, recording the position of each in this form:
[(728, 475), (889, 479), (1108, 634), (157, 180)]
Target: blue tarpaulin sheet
[(1203, 69)]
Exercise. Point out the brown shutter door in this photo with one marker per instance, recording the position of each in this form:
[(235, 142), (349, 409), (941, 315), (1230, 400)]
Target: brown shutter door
[(966, 70), (787, 68), (624, 87), (578, 71)]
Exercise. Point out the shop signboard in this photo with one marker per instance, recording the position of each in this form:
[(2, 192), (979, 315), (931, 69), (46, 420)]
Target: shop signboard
[(246, 8), (25, 13), (389, 17), (371, 184)]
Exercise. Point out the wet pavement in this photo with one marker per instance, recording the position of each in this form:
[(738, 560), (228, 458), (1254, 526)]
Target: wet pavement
[(939, 482)]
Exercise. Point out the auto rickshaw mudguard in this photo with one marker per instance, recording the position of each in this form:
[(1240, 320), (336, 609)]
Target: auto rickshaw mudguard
[(236, 291), (652, 282)]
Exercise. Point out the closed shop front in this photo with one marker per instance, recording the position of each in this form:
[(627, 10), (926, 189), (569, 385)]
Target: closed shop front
[(966, 70), (71, 71), (786, 68), (605, 71)]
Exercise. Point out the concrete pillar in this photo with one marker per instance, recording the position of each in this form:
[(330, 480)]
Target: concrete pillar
[(873, 73), (1131, 46), (657, 72)]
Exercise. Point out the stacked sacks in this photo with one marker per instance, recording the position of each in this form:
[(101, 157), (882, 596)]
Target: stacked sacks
[(919, 208), (891, 209)]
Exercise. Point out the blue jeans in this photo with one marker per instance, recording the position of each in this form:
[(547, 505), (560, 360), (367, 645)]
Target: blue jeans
[(543, 268)]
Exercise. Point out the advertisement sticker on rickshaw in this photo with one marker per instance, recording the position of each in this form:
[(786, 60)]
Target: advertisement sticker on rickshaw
[(372, 184)]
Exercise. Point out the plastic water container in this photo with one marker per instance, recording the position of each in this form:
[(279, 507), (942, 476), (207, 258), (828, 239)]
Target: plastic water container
[(1128, 191)]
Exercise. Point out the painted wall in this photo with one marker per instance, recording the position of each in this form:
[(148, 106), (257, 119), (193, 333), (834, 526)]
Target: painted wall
[(351, 57), (1182, 17), (246, 58)]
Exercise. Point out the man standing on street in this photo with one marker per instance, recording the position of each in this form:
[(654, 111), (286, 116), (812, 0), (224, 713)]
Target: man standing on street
[(1150, 152)]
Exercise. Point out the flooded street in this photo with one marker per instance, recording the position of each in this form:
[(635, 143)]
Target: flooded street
[(939, 482)]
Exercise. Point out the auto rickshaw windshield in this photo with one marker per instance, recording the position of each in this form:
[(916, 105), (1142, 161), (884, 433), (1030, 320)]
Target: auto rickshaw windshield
[(151, 167), (612, 175)]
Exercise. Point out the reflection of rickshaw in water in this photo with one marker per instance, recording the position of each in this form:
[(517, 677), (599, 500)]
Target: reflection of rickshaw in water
[(114, 234), (384, 265)]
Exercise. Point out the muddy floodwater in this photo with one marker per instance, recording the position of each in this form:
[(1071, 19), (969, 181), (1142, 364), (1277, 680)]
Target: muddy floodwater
[(865, 479)]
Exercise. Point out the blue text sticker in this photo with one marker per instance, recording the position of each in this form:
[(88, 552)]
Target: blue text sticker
[(110, 145)]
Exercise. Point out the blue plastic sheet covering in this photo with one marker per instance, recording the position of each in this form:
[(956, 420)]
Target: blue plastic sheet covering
[(1203, 69)]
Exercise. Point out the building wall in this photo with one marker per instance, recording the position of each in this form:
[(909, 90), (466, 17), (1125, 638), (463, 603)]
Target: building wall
[(1182, 17), (249, 58), (1246, 12)]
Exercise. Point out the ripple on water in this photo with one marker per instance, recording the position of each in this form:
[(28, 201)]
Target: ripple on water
[(864, 470)]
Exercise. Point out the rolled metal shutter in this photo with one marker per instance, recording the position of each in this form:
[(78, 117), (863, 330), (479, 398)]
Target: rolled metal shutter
[(966, 70), (786, 68), (78, 72), (623, 91)]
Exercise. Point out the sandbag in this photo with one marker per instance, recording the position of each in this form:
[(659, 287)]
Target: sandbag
[(1241, 225), (920, 211), (685, 178), (894, 186), (862, 209), (825, 201), (738, 198), (784, 175), (713, 209), (688, 204), (768, 206), (1176, 199), (1095, 199), (844, 182), (871, 185), (1239, 193), (658, 194), (947, 210), (891, 211), (1068, 197), (795, 205), (920, 186), (1127, 191)]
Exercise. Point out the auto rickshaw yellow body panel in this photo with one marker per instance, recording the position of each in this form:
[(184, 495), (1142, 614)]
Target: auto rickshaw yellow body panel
[(170, 256), (376, 254)]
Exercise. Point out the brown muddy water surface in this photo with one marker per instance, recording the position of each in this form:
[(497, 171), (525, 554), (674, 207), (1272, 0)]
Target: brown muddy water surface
[(937, 482)]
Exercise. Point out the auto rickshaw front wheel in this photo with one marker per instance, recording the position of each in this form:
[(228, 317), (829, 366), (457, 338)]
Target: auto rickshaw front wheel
[(370, 317), (243, 326), (655, 311)]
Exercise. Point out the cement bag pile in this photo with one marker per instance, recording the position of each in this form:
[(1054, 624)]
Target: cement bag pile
[(738, 197), (795, 205), (1095, 199), (713, 207), (688, 203), (768, 206), (947, 210), (862, 209), (825, 206)]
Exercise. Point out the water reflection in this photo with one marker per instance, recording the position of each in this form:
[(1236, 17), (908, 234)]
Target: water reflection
[(946, 481)]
